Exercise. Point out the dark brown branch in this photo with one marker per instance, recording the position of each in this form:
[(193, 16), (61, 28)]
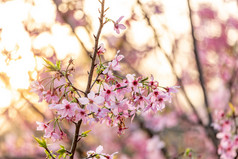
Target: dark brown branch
[(49, 153), (209, 130), (75, 141), (95, 47), (95, 81), (198, 63)]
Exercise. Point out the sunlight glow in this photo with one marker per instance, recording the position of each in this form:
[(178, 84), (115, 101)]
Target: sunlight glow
[(5, 95), (18, 60)]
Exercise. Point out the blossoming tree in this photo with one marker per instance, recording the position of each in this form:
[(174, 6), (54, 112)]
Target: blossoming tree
[(113, 101)]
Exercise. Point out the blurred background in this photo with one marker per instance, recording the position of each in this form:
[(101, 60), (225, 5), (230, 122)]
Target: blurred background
[(192, 44)]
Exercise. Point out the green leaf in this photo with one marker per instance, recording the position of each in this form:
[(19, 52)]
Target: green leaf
[(58, 65), (187, 151), (85, 133), (41, 142), (50, 65), (62, 152)]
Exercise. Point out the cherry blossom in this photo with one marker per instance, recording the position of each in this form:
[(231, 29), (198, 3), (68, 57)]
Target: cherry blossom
[(101, 49), (41, 126), (92, 101), (66, 109), (114, 65), (118, 26)]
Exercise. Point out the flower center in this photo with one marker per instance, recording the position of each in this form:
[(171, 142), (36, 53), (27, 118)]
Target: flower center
[(161, 99), (67, 106), (156, 93), (135, 83), (91, 101), (108, 91), (82, 113)]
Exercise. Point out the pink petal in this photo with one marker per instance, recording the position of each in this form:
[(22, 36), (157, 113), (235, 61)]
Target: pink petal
[(92, 108), (91, 95), (40, 126), (99, 100), (56, 106), (117, 30), (84, 100), (65, 101), (119, 19), (119, 57), (121, 26), (99, 149), (130, 77)]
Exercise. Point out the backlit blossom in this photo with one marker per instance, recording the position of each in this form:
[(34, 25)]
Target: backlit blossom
[(101, 49), (114, 65), (92, 101), (41, 126), (118, 26), (66, 109)]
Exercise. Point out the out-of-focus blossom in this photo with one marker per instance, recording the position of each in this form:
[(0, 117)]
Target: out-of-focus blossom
[(118, 26)]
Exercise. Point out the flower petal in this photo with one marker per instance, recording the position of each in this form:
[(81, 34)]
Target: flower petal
[(121, 26), (91, 95), (119, 19), (99, 149), (84, 100), (99, 100)]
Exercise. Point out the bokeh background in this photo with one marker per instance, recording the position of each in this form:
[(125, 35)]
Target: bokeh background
[(160, 39)]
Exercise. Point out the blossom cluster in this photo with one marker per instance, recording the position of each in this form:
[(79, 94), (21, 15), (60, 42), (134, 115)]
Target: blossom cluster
[(227, 135), (111, 98), (115, 100)]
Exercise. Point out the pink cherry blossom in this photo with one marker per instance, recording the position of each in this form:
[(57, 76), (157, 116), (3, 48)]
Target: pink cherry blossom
[(133, 82), (41, 126), (38, 88), (118, 26), (81, 114), (114, 65), (66, 109), (92, 101), (108, 92), (50, 97), (101, 49), (154, 84)]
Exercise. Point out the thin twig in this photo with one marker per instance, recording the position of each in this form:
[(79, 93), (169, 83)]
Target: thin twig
[(95, 81), (210, 131), (198, 63), (49, 153), (95, 47)]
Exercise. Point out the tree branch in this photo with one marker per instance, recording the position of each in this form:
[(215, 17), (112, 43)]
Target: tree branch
[(95, 47), (210, 131), (76, 135)]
